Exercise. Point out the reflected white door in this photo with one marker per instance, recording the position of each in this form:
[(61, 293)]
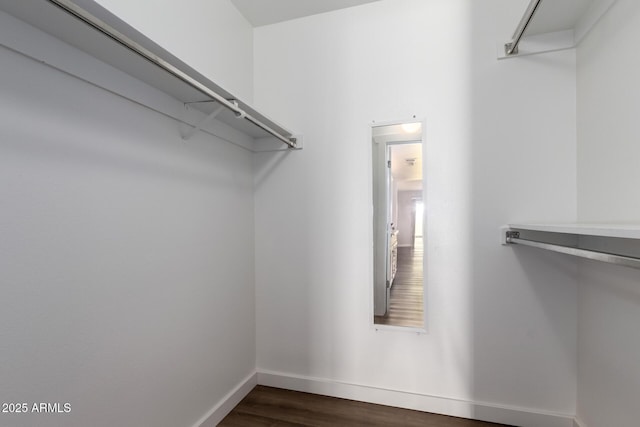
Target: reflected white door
[(381, 227)]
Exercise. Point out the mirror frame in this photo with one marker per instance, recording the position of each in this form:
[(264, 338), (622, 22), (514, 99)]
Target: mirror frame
[(372, 237)]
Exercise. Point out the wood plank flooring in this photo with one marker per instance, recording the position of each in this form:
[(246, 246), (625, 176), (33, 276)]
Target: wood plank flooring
[(266, 406), (406, 304)]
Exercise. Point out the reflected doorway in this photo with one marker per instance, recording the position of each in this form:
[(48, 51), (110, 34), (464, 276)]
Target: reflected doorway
[(398, 225)]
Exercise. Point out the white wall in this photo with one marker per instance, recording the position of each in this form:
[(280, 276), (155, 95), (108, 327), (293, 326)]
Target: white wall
[(608, 176), (500, 147), (405, 216), (126, 254), (211, 36)]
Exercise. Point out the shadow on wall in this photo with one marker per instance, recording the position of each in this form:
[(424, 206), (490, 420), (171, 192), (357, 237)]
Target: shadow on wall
[(265, 163)]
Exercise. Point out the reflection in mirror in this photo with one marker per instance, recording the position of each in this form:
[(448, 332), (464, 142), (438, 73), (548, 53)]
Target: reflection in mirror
[(398, 225)]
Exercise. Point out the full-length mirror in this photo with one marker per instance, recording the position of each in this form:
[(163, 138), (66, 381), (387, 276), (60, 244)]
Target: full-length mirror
[(398, 224)]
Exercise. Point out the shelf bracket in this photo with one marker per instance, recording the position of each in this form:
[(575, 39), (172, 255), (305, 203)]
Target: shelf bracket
[(512, 235), (188, 134)]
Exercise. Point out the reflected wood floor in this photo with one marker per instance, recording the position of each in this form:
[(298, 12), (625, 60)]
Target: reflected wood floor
[(407, 293), (266, 406)]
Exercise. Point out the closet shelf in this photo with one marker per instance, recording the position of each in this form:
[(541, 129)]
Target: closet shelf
[(611, 243), (628, 231), (88, 26), (548, 26)]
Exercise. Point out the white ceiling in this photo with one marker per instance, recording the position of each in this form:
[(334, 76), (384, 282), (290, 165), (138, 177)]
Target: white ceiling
[(265, 12), (553, 15)]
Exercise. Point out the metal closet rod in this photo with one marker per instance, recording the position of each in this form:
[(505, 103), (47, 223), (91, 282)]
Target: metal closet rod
[(513, 237), (511, 48), (114, 34)]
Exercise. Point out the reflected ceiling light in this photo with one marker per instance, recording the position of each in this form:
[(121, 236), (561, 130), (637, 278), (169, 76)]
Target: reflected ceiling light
[(411, 127)]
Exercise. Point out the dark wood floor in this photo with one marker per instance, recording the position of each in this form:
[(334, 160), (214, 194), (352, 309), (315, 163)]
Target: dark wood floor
[(407, 293), (266, 406)]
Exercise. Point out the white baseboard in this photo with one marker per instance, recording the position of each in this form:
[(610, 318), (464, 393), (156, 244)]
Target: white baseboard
[(222, 408), (420, 402)]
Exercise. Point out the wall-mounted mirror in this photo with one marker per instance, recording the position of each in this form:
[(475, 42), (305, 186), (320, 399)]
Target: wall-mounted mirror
[(398, 224)]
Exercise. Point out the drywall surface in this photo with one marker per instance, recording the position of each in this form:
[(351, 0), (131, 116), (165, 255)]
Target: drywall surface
[(126, 253), (211, 36), (406, 216), (500, 146), (608, 176)]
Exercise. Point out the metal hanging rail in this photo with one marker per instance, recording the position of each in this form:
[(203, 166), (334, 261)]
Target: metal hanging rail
[(513, 237), (125, 41), (511, 48)]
